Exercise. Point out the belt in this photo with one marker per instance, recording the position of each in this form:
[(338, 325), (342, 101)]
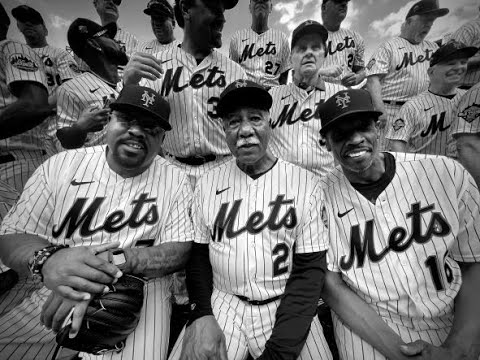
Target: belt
[(258, 302), (394, 102), (6, 158), (197, 160)]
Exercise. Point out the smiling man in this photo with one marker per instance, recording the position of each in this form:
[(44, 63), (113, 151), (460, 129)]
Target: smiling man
[(423, 123), (404, 257), (256, 271), (82, 202)]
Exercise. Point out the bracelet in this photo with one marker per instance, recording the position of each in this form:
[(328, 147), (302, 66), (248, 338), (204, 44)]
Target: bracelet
[(39, 258)]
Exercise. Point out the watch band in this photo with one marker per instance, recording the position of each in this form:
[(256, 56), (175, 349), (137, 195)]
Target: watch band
[(40, 257)]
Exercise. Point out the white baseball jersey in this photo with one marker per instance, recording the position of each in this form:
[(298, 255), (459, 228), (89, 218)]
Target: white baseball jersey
[(469, 34), (347, 48), (74, 96), (400, 253), (75, 198), (467, 117), (252, 228), (154, 46), (295, 124), (264, 57), (403, 66), (193, 90), (424, 123), (129, 44)]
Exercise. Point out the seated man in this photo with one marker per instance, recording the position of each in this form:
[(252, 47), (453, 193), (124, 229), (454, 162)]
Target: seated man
[(404, 244), (91, 199), (257, 265)]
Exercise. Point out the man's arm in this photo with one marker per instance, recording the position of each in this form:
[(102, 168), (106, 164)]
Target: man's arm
[(360, 317), (297, 307), (28, 111), (374, 87), (468, 149)]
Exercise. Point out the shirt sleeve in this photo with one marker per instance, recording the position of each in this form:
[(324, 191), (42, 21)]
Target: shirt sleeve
[(404, 124), (286, 65), (232, 52), (467, 117), (380, 61), (466, 34), (202, 234), (359, 59), (67, 67)]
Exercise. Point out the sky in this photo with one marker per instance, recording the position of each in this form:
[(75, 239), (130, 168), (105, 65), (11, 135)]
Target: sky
[(375, 20)]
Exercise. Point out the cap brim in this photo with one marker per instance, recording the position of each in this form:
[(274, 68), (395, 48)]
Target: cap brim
[(164, 124), (465, 53), (160, 12), (346, 114), (436, 12), (246, 96)]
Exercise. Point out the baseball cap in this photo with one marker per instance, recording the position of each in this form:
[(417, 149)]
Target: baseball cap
[(343, 104), (452, 50), (145, 100), (243, 93), (309, 27), (161, 8), (24, 13), (81, 30), (427, 7)]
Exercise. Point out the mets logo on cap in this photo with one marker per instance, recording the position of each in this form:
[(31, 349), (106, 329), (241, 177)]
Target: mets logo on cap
[(240, 83), (342, 100), (148, 99)]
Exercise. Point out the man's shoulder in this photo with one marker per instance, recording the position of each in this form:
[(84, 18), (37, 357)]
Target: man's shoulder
[(11, 47), (281, 90), (417, 159), (221, 59)]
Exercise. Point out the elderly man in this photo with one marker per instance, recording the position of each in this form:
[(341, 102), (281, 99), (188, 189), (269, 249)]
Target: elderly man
[(162, 20), (256, 271), (262, 51), (423, 123), (294, 117), (89, 200), (397, 70), (404, 257)]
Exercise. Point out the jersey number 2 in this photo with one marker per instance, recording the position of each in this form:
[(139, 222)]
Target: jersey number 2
[(280, 266)]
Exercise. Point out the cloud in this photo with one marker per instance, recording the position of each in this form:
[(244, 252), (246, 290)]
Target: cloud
[(59, 22)]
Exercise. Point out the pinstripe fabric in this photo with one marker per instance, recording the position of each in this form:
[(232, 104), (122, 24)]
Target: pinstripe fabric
[(73, 97), (469, 34), (407, 243), (264, 57), (344, 47), (50, 199), (154, 46), (129, 44), (192, 91), (296, 125), (424, 123)]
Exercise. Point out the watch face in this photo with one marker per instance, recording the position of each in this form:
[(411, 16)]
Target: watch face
[(118, 257)]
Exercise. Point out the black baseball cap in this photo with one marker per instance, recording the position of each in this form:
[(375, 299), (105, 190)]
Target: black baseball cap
[(160, 8), (24, 13), (243, 93), (81, 30), (145, 100), (344, 104), (452, 50), (309, 27), (427, 7)]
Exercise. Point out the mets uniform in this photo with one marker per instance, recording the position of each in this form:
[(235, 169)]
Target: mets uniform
[(193, 90), (424, 123), (295, 124), (252, 228), (71, 199), (402, 68), (347, 48), (154, 46), (469, 34), (74, 96), (400, 253), (264, 57), (20, 154)]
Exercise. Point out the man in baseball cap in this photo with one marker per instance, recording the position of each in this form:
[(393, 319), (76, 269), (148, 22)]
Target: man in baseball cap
[(309, 27), (385, 218), (427, 8), (25, 13), (210, 332), (162, 20)]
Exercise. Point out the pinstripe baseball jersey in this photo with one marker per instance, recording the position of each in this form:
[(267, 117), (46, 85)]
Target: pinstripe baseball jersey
[(129, 44), (295, 124), (59, 66), (154, 46), (424, 123), (264, 57), (75, 198), (400, 253), (193, 91), (74, 96), (18, 62), (469, 34), (403, 66), (467, 117), (344, 47), (253, 226)]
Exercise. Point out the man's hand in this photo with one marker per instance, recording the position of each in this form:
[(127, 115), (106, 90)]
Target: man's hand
[(204, 340), (425, 351), (350, 80), (92, 119), (76, 272), (331, 71), (142, 65)]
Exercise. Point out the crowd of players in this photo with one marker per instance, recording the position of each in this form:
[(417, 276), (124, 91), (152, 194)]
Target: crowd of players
[(423, 95)]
